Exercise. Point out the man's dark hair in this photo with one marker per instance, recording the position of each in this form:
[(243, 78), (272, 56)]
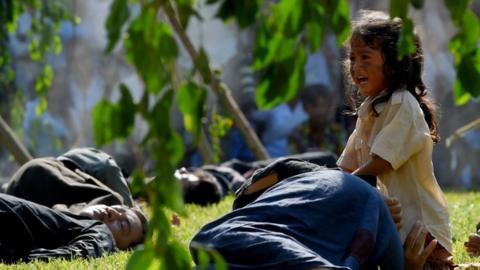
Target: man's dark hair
[(204, 191)]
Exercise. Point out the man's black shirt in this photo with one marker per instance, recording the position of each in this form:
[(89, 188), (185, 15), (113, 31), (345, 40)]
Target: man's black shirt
[(32, 231)]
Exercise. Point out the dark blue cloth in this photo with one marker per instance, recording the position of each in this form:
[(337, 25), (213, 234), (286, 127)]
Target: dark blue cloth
[(319, 219)]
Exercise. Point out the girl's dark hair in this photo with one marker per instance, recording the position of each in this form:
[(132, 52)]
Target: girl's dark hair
[(379, 32)]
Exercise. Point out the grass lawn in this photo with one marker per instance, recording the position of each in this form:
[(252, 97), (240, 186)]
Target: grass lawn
[(464, 210)]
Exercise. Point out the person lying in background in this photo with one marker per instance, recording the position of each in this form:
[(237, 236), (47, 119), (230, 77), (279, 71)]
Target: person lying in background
[(72, 181), (210, 183), (33, 231)]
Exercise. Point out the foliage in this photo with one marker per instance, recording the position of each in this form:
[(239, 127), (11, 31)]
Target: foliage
[(218, 128), (152, 50), (465, 50), (45, 20), (464, 45), (285, 32)]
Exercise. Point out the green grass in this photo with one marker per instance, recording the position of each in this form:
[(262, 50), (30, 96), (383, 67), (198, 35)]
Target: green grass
[(464, 211), (464, 215)]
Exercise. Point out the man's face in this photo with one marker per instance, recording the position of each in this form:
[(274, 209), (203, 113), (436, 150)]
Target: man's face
[(123, 222)]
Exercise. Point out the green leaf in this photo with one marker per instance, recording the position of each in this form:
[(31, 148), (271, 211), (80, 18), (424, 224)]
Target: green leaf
[(418, 4), (159, 116), (316, 23), (202, 65), (137, 186), (185, 11), (457, 9), (118, 16), (469, 32), (406, 43), (456, 47), (143, 104), (340, 20), (220, 263), (202, 258), (278, 48), (34, 50), (315, 33), (44, 80), (191, 102), (41, 106), (468, 77), (460, 96), (124, 113), (147, 35), (288, 19), (159, 221), (10, 74), (169, 142), (245, 12), (177, 257), (175, 148), (141, 259), (281, 81), (57, 45), (112, 121), (398, 8), (102, 115)]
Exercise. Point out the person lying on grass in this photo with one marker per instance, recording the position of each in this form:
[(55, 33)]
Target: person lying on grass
[(32, 231), (297, 215), (78, 178), (210, 183)]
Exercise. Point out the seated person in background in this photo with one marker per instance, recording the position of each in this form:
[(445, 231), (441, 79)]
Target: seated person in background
[(32, 231), (210, 183), (81, 177)]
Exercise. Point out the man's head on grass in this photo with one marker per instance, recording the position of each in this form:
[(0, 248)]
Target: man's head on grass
[(127, 224), (199, 186)]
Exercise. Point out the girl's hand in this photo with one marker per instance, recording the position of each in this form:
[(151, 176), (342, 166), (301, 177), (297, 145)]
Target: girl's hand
[(374, 166), (473, 244), (395, 208), (415, 253)]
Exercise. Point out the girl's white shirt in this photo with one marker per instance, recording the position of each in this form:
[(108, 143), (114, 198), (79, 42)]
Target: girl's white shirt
[(401, 136)]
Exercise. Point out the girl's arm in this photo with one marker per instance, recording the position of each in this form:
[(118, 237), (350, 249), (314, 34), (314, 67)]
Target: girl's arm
[(345, 169), (375, 166)]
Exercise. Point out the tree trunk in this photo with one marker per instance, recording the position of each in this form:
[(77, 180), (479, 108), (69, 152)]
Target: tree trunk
[(13, 144), (205, 149)]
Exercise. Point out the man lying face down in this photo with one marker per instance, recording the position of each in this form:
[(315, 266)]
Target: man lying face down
[(32, 231), (296, 215), (210, 183)]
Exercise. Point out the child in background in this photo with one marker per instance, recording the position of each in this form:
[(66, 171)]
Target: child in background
[(396, 128)]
